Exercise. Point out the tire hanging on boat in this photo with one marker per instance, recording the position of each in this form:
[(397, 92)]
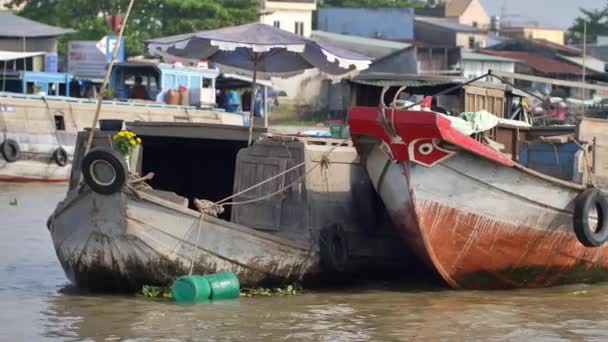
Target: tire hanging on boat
[(333, 248), (10, 150), (588, 234), (60, 157), (104, 171)]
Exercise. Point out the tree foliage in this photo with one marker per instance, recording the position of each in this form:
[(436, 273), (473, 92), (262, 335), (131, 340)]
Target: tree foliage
[(597, 25), (149, 18)]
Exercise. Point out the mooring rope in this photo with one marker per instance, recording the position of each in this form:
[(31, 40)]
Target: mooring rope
[(323, 161)]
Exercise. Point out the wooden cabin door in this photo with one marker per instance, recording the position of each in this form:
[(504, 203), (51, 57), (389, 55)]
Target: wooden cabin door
[(262, 214)]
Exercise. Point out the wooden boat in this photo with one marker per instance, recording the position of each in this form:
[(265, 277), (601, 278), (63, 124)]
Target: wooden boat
[(148, 235), (476, 216), (41, 131)]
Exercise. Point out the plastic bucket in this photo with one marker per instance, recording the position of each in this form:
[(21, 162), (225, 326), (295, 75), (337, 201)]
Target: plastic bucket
[(336, 130), (112, 125), (224, 285), (194, 288)]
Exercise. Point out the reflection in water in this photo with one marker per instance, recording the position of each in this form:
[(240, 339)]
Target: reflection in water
[(37, 304)]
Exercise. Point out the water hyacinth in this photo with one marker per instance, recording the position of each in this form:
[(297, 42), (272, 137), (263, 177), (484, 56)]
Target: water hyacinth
[(126, 142)]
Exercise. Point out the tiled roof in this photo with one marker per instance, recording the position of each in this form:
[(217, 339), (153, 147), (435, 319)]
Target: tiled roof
[(455, 8), (538, 62), (476, 56)]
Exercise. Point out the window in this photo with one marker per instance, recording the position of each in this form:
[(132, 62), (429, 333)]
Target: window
[(59, 122), (475, 24), (471, 42), (299, 28), (276, 24)]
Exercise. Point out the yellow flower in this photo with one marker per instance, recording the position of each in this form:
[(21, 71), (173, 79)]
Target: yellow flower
[(132, 142), (139, 140)]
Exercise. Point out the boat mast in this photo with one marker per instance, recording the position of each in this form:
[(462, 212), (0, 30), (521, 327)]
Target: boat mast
[(107, 78)]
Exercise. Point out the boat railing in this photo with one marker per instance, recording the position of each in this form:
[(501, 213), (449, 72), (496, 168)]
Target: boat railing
[(110, 102)]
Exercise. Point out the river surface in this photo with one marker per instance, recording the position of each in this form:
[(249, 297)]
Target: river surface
[(37, 303)]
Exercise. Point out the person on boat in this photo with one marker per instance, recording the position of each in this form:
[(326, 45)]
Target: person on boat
[(138, 91)]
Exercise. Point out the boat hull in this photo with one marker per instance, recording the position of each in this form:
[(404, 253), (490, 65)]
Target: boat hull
[(121, 242), (26, 171), (482, 225)]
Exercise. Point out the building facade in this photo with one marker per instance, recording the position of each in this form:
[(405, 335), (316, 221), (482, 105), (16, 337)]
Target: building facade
[(468, 12), (556, 36), (294, 16), (385, 23), (449, 32)]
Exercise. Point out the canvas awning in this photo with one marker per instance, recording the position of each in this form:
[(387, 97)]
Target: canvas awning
[(11, 55)]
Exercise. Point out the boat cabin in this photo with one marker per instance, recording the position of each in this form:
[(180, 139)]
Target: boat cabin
[(153, 81)]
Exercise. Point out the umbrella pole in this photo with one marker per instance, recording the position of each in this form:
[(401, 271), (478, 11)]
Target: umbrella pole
[(252, 107)]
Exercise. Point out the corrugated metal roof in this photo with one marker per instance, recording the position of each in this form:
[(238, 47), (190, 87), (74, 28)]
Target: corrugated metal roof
[(14, 26), (374, 48), (476, 56), (591, 63), (450, 24), (539, 62), (11, 55), (361, 40), (391, 79)]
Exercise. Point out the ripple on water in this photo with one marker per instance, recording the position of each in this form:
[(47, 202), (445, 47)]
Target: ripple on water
[(37, 305)]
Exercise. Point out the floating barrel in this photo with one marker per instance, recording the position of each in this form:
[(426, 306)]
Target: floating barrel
[(224, 285), (192, 288)]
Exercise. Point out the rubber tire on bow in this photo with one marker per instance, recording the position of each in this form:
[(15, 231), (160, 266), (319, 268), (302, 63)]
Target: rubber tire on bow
[(10, 150), (60, 157), (114, 160), (586, 201), (333, 249)]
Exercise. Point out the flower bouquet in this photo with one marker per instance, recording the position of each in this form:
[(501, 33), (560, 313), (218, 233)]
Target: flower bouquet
[(126, 142)]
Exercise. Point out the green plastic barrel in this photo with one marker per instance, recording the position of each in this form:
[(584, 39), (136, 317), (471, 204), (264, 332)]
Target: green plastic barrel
[(224, 285), (336, 130), (194, 288)]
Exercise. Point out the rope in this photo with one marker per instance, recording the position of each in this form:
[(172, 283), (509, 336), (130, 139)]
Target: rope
[(222, 202), (198, 238), (588, 166), (298, 180)]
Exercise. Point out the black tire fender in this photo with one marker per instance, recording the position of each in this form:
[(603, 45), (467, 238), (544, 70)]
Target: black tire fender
[(333, 248), (586, 233), (104, 170), (10, 150), (60, 156)]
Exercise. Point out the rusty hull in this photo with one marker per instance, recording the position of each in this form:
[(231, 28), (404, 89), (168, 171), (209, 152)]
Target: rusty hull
[(485, 226)]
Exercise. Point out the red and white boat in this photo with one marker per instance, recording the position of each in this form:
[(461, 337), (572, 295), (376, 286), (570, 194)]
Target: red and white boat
[(481, 220)]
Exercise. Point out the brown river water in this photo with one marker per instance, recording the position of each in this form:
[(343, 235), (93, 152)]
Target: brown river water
[(37, 303)]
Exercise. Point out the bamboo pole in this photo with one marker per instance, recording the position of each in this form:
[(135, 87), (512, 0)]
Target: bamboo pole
[(584, 63), (107, 78), (252, 102)]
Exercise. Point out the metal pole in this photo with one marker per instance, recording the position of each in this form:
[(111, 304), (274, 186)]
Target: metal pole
[(107, 78), (251, 109), (266, 107)]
